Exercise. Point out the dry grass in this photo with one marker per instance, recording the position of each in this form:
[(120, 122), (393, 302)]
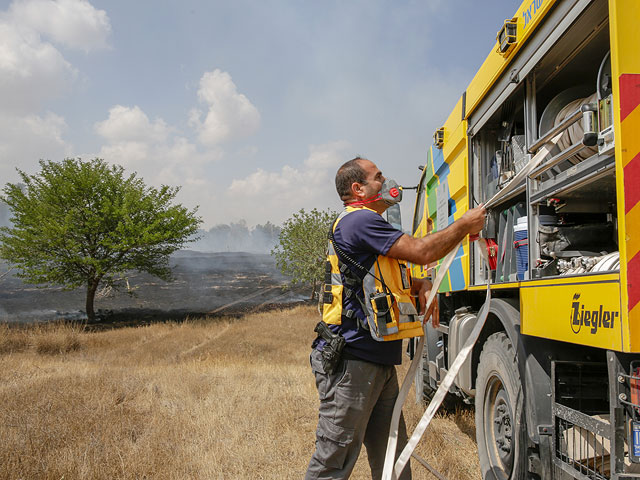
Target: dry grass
[(219, 399), (53, 339)]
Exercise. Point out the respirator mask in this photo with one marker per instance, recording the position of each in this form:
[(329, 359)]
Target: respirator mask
[(391, 193)]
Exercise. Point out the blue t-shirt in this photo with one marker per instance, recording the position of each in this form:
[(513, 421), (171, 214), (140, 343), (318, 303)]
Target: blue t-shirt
[(363, 235)]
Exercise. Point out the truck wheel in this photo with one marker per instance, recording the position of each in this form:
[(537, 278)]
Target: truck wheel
[(500, 425)]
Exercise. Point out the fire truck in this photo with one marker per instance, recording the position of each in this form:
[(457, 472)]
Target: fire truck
[(555, 374)]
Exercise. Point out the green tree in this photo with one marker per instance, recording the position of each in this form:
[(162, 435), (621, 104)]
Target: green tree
[(85, 223), (301, 249)]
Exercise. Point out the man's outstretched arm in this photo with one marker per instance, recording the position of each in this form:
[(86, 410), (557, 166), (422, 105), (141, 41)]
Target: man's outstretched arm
[(434, 246)]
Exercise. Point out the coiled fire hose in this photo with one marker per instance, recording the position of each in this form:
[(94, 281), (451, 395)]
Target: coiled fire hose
[(392, 470)]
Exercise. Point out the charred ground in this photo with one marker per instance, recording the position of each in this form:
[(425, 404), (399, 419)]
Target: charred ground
[(205, 284)]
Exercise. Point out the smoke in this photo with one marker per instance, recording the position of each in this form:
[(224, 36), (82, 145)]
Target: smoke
[(234, 237), (237, 237)]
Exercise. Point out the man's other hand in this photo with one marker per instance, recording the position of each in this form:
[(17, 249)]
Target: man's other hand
[(421, 289), (474, 219)]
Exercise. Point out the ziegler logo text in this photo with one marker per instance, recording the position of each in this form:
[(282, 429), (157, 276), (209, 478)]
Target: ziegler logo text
[(593, 319)]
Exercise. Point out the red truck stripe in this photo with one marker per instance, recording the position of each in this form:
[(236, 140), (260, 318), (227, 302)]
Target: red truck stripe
[(629, 93), (632, 183)]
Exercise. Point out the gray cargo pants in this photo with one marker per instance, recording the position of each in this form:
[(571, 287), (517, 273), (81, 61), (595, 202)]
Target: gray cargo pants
[(356, 404)]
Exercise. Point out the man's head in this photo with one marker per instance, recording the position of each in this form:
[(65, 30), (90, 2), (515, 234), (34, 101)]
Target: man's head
[(360, 180)]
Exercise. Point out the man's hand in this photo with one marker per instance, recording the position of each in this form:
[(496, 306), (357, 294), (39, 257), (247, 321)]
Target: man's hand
[(421, 289), (474, 219)]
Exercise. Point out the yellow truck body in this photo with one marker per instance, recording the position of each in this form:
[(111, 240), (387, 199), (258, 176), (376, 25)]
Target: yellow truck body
[(555, 376)]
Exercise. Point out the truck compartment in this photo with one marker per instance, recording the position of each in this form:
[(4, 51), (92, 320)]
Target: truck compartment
[(562, 219)]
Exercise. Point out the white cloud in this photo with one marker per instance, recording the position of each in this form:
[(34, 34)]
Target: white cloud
[(275, 195), (72, 23), (160, 155), (154, 151), (230, 114), (127, 124), (32, 69), (33, 72)]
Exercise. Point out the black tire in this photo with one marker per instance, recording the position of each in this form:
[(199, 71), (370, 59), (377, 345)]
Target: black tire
[(500, 424), (450, 404)]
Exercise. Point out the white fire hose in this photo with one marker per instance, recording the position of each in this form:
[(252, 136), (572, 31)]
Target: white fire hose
[(393, 470)]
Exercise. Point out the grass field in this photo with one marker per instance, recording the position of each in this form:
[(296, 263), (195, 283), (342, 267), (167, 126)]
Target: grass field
[(216, 399)]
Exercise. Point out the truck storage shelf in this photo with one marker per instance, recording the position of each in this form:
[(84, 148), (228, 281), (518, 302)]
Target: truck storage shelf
[(509, 197), (576, 176)]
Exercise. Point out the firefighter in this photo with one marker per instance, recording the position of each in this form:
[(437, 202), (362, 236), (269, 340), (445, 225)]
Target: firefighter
[(368, 309)]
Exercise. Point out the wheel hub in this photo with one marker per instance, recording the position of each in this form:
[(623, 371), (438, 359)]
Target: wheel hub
[(502, 426), (499, 428)]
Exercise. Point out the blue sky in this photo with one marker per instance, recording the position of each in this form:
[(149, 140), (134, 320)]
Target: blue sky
[(250, 106)]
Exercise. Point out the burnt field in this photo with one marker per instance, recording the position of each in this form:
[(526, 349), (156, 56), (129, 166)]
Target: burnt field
[(205, 284)]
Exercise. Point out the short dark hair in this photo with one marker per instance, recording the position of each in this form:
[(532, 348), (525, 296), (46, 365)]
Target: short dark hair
[(349, 173)]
